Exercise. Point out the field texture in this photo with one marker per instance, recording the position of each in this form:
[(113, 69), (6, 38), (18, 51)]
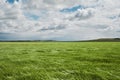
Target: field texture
[(59, 61)]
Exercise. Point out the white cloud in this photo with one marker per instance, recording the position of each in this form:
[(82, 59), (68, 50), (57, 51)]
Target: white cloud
[(99, 18), (82, 14)]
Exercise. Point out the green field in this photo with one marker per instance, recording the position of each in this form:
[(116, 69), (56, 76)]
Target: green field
[(60, 61)]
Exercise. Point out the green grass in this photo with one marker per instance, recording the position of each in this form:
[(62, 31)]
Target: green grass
[(59, 61)]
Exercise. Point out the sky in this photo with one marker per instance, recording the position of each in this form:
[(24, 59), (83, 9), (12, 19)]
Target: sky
[(66, 20)]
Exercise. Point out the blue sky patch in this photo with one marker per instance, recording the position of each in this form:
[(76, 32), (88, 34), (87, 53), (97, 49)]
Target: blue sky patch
[(11, 1), (32, 16), (72, 9)]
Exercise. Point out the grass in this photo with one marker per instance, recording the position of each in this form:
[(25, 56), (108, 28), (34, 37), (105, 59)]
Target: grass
[(59, 61)]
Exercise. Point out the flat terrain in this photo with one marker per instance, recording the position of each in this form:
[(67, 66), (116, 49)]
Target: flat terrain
[(60, 61)]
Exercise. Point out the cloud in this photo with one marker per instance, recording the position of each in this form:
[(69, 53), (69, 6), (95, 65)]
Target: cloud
[(60, 19), (82, 14)]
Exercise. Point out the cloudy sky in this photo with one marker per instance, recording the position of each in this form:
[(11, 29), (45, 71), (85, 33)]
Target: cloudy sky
[(59, 19)]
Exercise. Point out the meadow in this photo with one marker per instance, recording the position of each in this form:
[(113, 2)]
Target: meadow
[(59, 60)]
